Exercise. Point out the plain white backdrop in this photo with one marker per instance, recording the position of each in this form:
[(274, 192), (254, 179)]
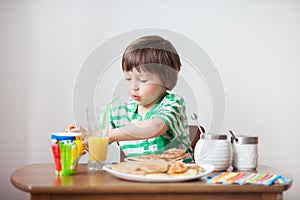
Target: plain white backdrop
[(255, 46)]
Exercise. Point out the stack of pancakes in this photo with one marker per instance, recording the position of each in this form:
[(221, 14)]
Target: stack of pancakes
[(162, 165), (169, 155), (158, 167)]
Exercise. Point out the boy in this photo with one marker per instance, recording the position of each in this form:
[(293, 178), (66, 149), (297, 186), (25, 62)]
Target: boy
[(154, 119)]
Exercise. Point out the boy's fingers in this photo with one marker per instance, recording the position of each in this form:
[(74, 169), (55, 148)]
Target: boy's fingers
[(74, 130), (70, 127)]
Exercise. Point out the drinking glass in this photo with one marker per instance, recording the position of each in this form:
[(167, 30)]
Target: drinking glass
[(97, 133)]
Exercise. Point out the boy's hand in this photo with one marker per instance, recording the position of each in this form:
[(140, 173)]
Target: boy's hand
[(72, 128)]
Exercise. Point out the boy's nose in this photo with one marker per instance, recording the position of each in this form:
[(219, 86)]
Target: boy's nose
[(134, 85), (135, 88)]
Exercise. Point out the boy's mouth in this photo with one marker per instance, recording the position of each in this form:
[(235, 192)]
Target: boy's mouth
[(135, 97)]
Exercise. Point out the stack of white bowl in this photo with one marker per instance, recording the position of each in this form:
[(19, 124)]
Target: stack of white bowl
[(214, 150)]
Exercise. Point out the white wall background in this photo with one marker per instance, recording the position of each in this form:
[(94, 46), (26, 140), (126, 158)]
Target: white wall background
[(255, 46)]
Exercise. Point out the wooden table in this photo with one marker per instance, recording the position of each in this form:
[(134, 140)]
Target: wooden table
[(42, 183)]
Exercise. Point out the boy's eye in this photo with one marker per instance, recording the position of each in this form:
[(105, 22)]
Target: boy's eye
[(128, 79), (143, 80)]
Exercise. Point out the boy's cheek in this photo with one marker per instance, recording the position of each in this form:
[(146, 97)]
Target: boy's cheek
[(128, 88)]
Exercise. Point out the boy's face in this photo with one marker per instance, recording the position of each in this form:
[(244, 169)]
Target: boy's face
[(145, 88)]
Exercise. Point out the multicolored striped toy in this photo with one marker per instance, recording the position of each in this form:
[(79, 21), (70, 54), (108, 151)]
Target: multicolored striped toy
[(67, 148), (248, 178)]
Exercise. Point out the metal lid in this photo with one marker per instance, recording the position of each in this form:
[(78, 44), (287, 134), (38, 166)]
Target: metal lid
[(206, 136), (243, 139)]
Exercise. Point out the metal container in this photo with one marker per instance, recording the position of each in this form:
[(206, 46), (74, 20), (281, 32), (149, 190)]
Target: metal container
[(213, 149), (245, 152)]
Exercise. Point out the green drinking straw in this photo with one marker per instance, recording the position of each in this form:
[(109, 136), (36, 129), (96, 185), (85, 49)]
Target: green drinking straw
[(105, 113)]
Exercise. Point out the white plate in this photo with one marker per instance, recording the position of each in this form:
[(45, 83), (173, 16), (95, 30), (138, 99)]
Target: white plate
[(133, 177)]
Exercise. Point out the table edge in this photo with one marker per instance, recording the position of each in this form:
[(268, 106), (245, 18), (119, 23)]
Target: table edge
[(213, 188)]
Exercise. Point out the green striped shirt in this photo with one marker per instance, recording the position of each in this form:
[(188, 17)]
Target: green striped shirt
[(171, 109)]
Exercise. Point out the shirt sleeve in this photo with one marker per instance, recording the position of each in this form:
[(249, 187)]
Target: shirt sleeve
[(172, 112)]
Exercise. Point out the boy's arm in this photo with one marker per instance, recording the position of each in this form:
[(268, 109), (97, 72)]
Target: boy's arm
[(139, 130)]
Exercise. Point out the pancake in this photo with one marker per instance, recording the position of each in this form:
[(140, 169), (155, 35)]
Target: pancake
[(144, 157), (126, 167), (177, 167), (156, 166), (173, 154)]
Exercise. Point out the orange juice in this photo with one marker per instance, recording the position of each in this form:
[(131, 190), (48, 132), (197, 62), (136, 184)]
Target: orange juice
[(98, 148)]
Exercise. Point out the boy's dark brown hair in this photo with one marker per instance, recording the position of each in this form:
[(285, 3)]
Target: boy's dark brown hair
[(153, 54)]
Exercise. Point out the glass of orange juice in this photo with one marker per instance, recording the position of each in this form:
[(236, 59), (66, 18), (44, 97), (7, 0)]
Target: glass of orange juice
[(98, 126)]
